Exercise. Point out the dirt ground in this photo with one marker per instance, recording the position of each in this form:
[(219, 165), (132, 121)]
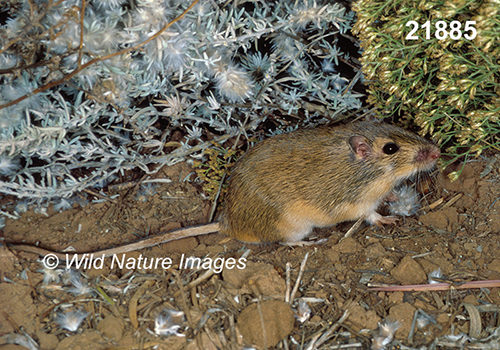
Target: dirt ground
[(229, 301)]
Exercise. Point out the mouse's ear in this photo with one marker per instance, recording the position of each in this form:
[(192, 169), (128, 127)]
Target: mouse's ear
[(360, 147)]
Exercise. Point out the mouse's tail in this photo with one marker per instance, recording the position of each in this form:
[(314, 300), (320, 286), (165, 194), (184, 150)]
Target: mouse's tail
[(130, 247)]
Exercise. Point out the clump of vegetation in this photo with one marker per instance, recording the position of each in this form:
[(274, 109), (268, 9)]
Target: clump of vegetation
[(212, 171), (93, 90), (447, 80)]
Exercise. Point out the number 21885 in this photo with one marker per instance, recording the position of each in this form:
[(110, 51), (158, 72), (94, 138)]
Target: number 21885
[(441, 32)]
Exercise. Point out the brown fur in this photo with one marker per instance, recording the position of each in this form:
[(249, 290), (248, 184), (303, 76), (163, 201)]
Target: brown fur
[(288, 184)]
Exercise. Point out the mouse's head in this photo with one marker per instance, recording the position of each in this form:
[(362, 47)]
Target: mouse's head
[(397, 152)]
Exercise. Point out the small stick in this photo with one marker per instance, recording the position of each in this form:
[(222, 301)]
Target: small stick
[(206, 275), (353, 228), (299, 277), (216, 199), (288, 284), (432, 205), (132, 313), (98, 195), (452, 201), (435, 286)]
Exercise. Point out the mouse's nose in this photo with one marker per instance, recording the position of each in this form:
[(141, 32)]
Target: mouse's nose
[(427, 154), (435, 154)]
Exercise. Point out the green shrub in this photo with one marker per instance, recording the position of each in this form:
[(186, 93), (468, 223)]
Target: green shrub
[(449, 88)]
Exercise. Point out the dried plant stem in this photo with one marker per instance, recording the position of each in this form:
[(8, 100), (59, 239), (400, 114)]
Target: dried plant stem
[(80, 47), (288, 284), (299, 277), (435, 286), (354, 228)]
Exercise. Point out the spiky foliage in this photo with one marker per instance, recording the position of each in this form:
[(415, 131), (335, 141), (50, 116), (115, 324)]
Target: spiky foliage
[(448, 87)]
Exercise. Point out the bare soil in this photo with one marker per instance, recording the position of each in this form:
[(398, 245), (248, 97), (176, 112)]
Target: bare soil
[(227, 307)]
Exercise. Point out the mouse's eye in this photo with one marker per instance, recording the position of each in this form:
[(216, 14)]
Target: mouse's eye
[(390, 148)]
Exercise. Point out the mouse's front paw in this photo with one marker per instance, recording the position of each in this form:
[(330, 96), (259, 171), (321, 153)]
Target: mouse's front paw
[(379, 220)]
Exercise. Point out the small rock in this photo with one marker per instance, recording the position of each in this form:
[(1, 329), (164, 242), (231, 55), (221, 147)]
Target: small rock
[(409, 271), (403, 313), (347, 245), (494, 265), (471, 299), (258, 276), (443, 219), (360, 318), (47, 341), (265, 325), (375, 250), (333, 256), (111, 327)]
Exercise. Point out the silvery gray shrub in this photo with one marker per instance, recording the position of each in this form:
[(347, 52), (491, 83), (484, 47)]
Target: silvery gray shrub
[(224, 67)]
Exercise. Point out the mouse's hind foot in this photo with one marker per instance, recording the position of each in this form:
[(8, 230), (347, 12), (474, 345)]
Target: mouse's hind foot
[(379, 220)]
